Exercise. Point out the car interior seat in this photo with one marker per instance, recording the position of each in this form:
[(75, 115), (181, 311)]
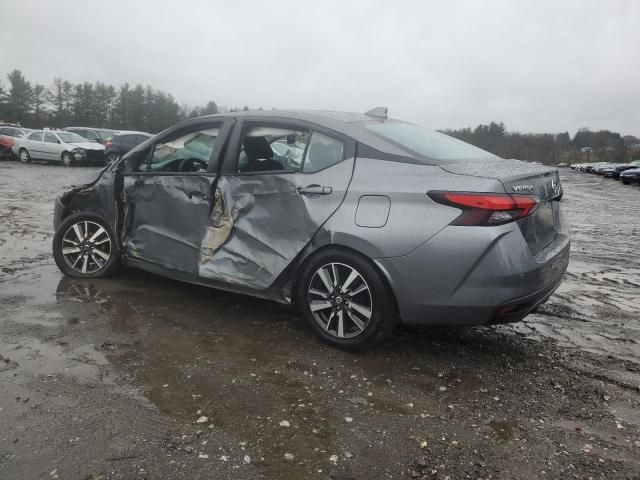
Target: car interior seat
[(260, 155)]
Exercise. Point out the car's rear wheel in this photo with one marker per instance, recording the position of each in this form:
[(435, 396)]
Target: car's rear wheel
[(67, 159), (84, 247), (345, 300), (626, 182), (112, 157), (24, 156)]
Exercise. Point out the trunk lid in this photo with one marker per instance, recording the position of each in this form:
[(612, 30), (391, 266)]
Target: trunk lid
[(523, 178)]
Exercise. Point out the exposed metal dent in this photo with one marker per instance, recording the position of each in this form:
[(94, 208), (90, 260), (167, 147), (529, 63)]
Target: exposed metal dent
[(244, 242), (219, 230)]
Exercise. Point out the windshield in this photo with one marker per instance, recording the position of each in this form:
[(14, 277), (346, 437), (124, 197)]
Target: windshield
[(431, 144), (68, 137)]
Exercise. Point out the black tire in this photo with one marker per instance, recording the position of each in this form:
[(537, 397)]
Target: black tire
[(625, 182), (24, 156), (67, 159), (92, 269), (112, 157), (383, 314)]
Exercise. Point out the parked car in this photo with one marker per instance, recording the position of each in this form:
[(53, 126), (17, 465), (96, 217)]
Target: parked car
[(99, 135), (57, 146), (379, 220), (8, 135), (590, 166), (615, 172), (122, 142), (597, 169), (608, 170), (630, 176)]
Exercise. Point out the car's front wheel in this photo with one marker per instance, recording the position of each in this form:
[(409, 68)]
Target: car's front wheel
[(24, 156), (84, 247), (67, 159), (112, 157), (345, 300)]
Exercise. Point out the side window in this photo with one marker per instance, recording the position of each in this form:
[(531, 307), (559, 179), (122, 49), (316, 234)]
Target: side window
[(6, 131), (50, 138), (131, 140), (185, 154), (268, 149), (36, 136), (140, 139), (323, 152)]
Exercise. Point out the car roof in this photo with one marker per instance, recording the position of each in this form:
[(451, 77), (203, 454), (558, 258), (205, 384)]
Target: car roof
[(348, 123), (132, 132), (92, 128)]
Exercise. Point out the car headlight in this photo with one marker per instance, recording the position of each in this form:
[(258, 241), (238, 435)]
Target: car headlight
[(78, 151)]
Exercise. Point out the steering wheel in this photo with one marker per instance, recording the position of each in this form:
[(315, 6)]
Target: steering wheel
[(187, 164)]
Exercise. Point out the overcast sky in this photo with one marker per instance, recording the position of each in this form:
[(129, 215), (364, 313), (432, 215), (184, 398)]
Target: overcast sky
[(541, 66)]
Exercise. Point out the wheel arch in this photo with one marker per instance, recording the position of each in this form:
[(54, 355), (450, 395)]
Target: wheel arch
[(312, 252)]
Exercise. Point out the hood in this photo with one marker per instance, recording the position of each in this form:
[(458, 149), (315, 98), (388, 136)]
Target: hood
[(88, 146)]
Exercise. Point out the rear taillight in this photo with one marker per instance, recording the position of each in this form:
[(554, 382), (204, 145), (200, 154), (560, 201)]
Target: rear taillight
[(486, 208)]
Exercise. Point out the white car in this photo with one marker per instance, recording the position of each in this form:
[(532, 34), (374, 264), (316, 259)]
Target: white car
[(57, 146)]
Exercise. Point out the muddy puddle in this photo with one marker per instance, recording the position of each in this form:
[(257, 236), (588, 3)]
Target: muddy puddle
[(159, 379)]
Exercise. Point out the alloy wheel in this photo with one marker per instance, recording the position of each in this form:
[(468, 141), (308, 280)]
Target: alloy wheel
[(67, 160), (86, 247), (24, 156), (112, 157), (340, 300)]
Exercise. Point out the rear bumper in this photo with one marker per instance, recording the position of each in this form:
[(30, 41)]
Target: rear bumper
[(476, 276)]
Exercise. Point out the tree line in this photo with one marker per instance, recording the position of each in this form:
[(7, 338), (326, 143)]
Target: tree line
[(144, 108), (62, 104), (551, 148)]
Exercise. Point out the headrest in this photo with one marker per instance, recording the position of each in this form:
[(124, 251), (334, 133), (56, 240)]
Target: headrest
[(257, 147)]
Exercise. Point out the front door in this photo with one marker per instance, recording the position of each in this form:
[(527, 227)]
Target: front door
[(280, 183), (51, 147), (35, 145), (168, 196)]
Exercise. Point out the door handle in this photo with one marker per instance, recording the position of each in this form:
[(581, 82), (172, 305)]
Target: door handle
[(314, 190)]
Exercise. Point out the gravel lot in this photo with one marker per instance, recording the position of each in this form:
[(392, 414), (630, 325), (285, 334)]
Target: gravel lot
[(141, 377)]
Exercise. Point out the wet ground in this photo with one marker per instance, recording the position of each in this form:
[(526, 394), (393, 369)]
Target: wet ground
[(137, 376)]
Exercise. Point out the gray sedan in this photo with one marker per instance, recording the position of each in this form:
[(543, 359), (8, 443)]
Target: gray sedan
[(359, 220), (57, 146)]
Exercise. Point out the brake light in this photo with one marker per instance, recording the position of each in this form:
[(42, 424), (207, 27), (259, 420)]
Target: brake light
[(487, 208)]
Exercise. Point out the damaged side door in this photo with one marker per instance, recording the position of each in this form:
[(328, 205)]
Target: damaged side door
[(281, 181), (168, 195)]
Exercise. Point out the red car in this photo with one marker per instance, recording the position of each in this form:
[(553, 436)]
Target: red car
[(8, 134)]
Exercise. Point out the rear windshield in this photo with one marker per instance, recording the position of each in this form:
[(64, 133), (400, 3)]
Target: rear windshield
[(429, 143)]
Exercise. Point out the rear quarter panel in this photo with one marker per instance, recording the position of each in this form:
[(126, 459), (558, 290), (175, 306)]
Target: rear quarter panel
[(412, 217)]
